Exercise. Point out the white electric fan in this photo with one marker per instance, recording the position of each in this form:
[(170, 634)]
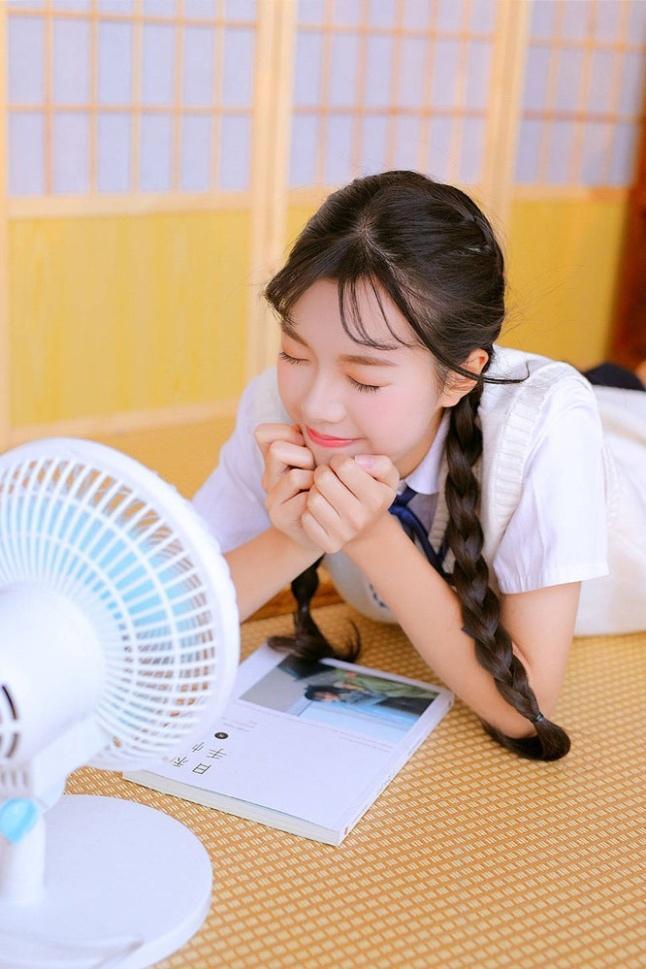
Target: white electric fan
[(119, 644)]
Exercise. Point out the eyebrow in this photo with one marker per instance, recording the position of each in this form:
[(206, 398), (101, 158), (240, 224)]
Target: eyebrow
[(346, 357)]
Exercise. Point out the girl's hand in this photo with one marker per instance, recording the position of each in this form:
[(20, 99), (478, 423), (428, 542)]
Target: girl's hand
[(346, 500), (287, 478)]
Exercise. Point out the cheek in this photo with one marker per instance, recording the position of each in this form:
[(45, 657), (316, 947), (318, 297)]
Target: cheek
[(288, 390), (399, 418)]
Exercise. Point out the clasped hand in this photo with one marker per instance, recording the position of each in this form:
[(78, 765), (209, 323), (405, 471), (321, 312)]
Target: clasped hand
[(322, 507)]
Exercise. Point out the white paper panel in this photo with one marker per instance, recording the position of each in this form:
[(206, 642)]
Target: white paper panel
[(407, 132), (608, 19), (199, 50), (632, 83), (234, 152), (439, 147), (529, 141), (378, 70), (158, 55), (113, 152), (302, 166), (417, 14), (307, 68), (70, 6), (542, 18), (445, 74), (115, 6), (343, 69), (411, 77), (449, 15), (558, 157), (568, 79), (237, 71), (637, 22), (240, 9), (346, 12), (381, 13), (196, 153), (537, 66), (574, 22), (70, 153), (597, 140), (159, 8), (338, 154), (310, 11), (483, 15), (624, 149), (200, 9), (115, 63), (478, 79), (26, 172), (71, 73), (471, 153), (374, 143), (601, 73), (155, 169), (25, 44)]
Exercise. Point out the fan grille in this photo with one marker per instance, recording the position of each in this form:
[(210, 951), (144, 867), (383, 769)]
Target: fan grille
[(98, 538)]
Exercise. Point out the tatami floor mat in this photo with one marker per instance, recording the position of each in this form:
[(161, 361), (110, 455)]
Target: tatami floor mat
[(472, 857)]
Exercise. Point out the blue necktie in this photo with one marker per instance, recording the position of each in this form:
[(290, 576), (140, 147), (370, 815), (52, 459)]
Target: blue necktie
[(413, 527)]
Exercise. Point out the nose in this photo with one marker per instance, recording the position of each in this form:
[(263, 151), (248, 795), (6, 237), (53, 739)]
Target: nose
[(322, 405)]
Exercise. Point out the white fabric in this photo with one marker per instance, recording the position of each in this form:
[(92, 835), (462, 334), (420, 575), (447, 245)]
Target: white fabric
[(563, 480)]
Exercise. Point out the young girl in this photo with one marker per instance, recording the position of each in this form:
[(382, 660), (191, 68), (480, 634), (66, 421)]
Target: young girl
[(392, 415)]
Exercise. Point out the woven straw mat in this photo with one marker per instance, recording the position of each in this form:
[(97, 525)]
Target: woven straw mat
[(471, 857)]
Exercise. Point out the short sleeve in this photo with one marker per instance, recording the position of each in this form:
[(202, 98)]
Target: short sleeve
[(232, 500), (558, 532)]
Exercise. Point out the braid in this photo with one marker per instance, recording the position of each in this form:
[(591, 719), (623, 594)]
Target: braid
[(480, 605), (308, 642)]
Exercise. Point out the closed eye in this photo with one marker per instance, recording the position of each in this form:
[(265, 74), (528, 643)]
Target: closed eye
[(364, 388)]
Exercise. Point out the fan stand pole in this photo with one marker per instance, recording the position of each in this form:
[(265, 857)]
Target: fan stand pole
[(22, 866)]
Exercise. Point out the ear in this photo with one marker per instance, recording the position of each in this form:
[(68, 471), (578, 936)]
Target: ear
[(457, 385)]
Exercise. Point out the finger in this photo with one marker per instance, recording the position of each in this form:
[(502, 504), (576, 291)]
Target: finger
[(294, 481), (282, 456), (379, 467), (265, 434), (339, 496), (353, 473), (316, 533), (360, 482)]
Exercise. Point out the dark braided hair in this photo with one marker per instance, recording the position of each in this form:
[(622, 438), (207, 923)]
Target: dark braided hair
[(434, 253)]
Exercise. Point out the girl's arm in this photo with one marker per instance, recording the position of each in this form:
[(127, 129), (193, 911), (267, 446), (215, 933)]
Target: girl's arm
[(428, 611), (263, 566)]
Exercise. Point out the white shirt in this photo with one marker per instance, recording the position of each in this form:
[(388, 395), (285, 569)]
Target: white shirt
[(558, 529)]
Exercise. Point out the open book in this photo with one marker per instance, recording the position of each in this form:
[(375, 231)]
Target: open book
[(304, 747)]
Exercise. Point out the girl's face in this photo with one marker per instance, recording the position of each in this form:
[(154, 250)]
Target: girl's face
[(389, 404)]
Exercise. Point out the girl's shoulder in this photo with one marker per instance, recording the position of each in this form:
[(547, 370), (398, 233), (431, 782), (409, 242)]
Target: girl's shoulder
[(545, 388)]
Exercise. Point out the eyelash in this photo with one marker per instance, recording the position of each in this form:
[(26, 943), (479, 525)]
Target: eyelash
[(364, 388)]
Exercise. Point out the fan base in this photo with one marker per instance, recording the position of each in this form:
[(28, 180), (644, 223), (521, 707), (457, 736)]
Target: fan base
[(125, 886)]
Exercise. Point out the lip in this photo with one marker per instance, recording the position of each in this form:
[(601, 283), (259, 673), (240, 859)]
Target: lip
[(325, 441)]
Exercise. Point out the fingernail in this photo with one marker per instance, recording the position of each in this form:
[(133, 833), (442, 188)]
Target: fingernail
[(367, 461)]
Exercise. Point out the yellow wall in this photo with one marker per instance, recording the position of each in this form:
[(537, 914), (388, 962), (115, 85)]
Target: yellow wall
[(563, 259), (126, 313), (141, 312)]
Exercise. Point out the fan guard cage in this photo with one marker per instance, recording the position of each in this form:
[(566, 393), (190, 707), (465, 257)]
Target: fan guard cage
[(94, 525)]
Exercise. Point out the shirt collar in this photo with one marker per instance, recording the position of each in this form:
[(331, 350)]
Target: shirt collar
[(425, 477)]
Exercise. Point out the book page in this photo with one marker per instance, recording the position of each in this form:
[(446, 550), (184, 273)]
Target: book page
[(307, 739)]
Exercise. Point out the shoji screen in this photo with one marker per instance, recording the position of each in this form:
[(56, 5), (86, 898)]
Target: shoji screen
[(129, 96), (583, 94), (127, 202), (402, 84)]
